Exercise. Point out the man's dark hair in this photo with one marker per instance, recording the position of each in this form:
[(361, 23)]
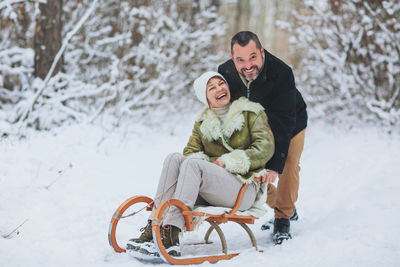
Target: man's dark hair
[(243, 38)]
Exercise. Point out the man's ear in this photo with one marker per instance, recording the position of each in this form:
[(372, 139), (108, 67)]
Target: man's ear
[(262, 50), (231, 56)]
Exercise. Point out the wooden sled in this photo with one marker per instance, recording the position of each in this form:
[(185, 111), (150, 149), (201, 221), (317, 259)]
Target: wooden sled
[(188, 215)]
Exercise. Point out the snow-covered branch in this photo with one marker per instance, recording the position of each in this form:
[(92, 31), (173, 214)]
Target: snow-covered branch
[(57, 58), (8, 3), (350, 60), (135, 66)]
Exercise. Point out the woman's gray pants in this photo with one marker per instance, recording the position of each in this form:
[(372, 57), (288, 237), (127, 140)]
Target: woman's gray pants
[(198, 182)]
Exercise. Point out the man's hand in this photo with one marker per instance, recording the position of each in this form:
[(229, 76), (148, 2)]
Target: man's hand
[(219, 162), (269, 177)]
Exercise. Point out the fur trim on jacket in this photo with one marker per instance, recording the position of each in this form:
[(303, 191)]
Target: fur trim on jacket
[(243, 142)]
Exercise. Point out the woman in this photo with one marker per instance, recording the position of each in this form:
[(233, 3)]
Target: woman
[(229, 146)]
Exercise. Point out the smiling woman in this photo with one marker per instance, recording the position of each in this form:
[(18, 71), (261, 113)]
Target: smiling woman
[(229, 146), (217, 93)]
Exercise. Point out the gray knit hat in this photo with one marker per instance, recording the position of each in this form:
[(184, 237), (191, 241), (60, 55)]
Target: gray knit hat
[(201, 83)]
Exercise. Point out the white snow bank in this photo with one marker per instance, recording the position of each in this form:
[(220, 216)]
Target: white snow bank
[(68, 185)]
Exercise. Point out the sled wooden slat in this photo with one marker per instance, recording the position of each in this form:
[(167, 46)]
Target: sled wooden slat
[(238, 219)]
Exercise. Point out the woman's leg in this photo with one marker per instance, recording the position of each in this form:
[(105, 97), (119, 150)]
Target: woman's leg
[(214, 184), (168, 178), (165, 190)]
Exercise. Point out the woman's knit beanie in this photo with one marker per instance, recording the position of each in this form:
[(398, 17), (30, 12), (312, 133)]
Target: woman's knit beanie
[(200, 85)]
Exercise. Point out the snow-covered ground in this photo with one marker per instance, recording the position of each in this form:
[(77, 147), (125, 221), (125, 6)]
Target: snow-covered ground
[(64, 189)]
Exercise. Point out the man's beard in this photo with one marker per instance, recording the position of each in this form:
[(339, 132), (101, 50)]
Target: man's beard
[(258, 70), (254, 76)]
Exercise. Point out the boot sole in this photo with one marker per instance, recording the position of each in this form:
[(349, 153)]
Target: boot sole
[(150, 249), (278, 238)]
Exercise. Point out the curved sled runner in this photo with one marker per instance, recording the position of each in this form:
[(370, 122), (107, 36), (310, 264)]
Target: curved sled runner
[(118, 214), (188, 215)]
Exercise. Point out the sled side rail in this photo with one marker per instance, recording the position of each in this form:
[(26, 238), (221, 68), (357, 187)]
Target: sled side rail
[(240, 197)]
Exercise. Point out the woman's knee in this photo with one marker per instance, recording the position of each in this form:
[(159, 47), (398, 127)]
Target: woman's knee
[(191, 163), (174, 157), (249, 197)]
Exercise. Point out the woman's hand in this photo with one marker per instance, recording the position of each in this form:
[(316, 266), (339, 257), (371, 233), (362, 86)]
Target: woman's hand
[(219, 162)]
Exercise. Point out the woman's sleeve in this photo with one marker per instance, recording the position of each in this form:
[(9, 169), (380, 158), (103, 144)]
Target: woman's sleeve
[(194, 147), (259, 151), (263, 146)]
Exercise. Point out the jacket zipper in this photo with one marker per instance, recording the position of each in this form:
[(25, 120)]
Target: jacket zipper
[(248, 90)]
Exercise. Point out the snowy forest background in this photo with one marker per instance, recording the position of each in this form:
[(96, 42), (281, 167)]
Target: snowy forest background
[(119, 63), (94, 95)]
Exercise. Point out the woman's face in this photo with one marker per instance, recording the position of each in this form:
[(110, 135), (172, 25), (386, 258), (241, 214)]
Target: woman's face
[(217, 93)]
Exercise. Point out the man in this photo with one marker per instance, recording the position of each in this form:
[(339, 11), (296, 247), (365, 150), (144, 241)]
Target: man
[(263, 78)]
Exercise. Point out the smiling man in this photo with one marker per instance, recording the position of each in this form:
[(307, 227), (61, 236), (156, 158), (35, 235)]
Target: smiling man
[(260, 76)]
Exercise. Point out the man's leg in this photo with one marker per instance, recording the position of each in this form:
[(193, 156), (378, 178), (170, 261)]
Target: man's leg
[(288, 184), (283, 198), (271, 195), (286, 193)]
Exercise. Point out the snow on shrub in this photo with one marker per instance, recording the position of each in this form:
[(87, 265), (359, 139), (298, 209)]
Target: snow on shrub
[(131, 62), (350, 60)]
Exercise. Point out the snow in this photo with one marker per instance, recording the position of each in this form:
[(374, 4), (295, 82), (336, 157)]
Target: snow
[(66, 185)]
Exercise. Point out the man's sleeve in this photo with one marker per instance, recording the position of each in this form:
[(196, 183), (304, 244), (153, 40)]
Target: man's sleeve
[(282, 116)]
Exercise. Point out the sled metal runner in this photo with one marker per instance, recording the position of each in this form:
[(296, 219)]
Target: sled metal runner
[(188, 215)]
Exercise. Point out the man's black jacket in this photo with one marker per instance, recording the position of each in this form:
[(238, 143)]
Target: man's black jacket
[(275, 90)]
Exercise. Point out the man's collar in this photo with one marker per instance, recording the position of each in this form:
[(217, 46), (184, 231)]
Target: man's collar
[(263, 73)]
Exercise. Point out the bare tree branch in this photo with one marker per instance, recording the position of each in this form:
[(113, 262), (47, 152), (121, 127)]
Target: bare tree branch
[(15, 230), (57, 58)]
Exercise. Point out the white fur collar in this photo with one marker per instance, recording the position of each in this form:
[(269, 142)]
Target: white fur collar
[(211, 127)]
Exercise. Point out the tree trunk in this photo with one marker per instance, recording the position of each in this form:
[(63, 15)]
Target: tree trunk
[(242, 15), (136, 35), (47, 39)]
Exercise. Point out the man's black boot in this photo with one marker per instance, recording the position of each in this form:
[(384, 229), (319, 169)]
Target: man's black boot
[(295, 216), (281, 230), (267, 225)]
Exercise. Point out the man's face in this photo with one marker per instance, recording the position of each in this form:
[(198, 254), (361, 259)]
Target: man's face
[(248, 59)]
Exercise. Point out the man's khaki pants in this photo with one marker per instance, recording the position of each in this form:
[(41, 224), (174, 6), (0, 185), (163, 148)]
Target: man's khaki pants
[(282, 198)]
